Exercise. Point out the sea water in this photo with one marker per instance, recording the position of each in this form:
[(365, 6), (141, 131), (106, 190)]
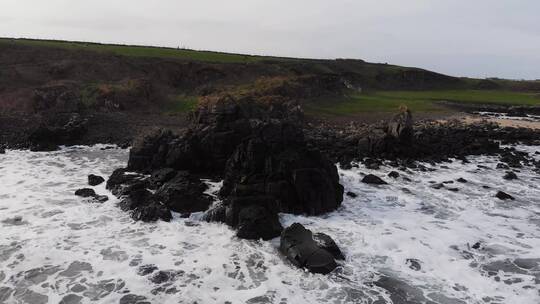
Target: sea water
[(457, 244)]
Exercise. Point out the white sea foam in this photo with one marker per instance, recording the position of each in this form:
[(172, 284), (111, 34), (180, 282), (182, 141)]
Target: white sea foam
[(56, 246)]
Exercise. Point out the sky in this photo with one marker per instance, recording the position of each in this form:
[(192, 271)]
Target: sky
[(474, 38)]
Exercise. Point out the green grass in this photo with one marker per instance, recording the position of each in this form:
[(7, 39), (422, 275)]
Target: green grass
[(418, 101), (180, 104), (142, 51)]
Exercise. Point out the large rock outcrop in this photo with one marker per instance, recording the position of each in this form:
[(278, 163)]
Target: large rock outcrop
[(275, 161)]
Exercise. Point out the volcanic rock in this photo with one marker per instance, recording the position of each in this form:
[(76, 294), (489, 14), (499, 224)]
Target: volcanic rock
[(373, 180), (94, 180), (298, 245)]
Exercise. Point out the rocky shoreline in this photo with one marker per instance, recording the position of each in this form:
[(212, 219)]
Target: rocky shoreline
[(272, 162)]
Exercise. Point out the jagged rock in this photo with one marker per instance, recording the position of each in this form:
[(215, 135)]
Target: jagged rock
[(462, 180), (49, 135), (143, 206), (504, 196), (94, 180), (121, 179), (298, 245), (373, 180), (184, 194), (275, 161), (161, 176), (2, 150), (401, 126)]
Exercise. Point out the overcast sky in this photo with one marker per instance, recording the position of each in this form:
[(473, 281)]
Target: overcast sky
[(479, 38)]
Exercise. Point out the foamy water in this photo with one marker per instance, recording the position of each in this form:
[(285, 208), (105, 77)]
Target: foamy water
[(57, 247)]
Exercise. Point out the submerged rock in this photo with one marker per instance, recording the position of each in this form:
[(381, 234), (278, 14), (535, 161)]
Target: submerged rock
[(318, 255), (504, 196), (393, 174), (510, 175), (143, 206)]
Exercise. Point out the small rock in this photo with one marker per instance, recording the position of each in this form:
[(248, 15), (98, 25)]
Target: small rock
[(437, 186), (510, 176), (94, 180), (462, 180), (393, 174), (504, 196), (414, 264), (373, 180), (351, 194), (2, 151), (85, 192)]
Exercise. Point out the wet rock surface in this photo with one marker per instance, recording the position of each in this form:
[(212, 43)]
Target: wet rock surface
[(94, 180), (316, 253)]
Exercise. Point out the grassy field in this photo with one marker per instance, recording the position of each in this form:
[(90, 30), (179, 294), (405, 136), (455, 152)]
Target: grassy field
[(142, 51), (180, 104), (419, 101)]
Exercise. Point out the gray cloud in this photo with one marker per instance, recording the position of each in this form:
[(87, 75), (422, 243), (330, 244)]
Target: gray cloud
[(459, 37)]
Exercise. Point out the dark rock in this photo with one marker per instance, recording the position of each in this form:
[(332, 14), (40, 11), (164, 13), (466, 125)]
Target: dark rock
[(61, 130), (85, 192), (393, 174), (2, 150), (373, 180), (121, 179), (502, 166), (143, 206), (257, 222), (476, 245), (255, 217), (414, 264), (453, 189), (351, 194), (504, 196), (462, 180), (216, 214), (437, 186), (277, 162), (298, 245), (510, 175), (94, 180), (161, 176), (184, 194), (325, 242)]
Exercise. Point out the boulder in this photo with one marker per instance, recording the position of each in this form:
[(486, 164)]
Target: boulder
[(94, 180), (504, 196), (351, 194), (393, 174), (184, 194), (373, 180), (301, 249), (85, 192), (2, 150), (510, 175)]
